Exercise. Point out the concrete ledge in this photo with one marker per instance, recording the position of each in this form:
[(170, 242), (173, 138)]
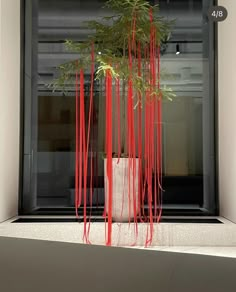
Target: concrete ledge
[(165, 234)]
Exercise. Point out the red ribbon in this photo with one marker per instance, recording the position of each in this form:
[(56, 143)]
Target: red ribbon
[(109, 152), (150, 156)]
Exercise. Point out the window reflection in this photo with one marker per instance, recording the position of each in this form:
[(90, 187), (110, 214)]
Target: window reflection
[(185, 64)]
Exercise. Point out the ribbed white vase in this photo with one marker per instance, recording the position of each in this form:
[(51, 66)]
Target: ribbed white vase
[(123, 196)]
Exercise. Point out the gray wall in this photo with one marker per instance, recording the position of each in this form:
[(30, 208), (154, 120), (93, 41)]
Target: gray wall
[(42, 266)]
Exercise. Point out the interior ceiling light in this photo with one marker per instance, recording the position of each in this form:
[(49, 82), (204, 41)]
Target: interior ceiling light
[(177, 49)]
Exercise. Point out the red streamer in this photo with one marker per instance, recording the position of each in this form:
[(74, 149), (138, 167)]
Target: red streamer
[(86, 232), (149, 157), (117, 83), (109, 152)]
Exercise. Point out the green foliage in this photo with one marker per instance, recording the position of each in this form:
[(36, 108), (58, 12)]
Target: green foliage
[(111, 37)]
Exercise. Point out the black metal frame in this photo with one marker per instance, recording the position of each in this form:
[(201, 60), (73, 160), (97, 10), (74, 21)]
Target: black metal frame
[(22, 93), (23, 193)]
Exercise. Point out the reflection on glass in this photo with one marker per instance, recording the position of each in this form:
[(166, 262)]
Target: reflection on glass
[(186, 120)]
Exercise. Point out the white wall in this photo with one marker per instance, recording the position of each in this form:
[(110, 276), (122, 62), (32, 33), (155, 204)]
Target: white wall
[(9, 106), (227, 112)]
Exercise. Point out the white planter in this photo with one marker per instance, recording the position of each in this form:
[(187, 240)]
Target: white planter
[(122, 202)]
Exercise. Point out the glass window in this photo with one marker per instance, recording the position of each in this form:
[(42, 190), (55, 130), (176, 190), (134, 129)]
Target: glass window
[(187, 63)]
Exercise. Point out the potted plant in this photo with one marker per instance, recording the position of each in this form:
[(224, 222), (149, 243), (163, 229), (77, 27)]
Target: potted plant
[(123, 53)]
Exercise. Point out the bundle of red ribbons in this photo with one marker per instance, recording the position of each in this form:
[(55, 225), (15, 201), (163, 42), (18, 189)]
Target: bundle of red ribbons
[(149, 172)]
